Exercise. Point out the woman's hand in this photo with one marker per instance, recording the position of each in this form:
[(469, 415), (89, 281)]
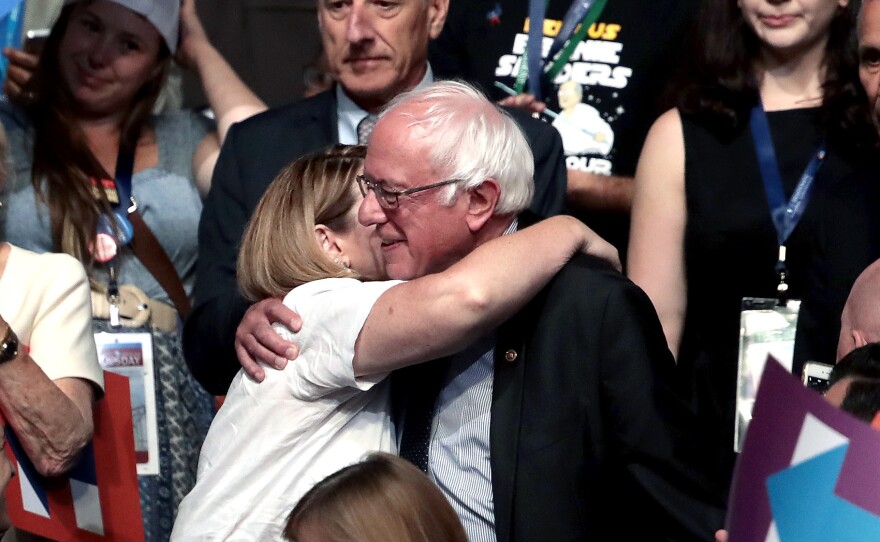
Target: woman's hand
[(19, 71), (192, 36), (526, 102), (596, 246), (590, 242)]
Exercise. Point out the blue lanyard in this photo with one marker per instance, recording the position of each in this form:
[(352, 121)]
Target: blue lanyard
[(576, 14), (117, 225), (535, 44), (124, 171), (116, 229), (785, 213)]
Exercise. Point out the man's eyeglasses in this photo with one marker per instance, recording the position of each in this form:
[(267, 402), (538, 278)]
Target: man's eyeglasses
[(390, 199)]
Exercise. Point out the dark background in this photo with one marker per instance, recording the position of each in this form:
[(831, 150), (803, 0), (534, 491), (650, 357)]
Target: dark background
[(268, 42)]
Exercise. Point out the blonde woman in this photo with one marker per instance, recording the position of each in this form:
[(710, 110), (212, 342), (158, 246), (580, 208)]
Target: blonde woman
[(274, 440), (380, 498)]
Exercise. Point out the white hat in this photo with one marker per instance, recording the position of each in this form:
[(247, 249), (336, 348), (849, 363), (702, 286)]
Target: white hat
[(163, 14)]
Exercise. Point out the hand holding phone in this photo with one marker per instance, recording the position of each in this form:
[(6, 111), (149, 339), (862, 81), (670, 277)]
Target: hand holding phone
[(34, 40), (22, 64)]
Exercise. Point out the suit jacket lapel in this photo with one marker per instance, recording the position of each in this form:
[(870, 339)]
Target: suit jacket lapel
[(324, 125), (507, 397), (507, 404)]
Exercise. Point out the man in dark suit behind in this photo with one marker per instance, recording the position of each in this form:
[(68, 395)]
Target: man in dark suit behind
[(376, 50), (568, 422)]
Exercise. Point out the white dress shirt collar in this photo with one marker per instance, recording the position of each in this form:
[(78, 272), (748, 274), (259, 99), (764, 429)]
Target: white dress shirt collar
[(350, 114)]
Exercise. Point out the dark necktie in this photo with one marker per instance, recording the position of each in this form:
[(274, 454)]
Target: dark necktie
[(365, 128), (423, 383)]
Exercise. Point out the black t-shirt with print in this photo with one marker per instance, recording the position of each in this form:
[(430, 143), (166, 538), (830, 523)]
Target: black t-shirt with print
[(620, 69)]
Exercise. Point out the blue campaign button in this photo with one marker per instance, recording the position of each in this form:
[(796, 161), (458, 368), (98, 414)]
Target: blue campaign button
[(124, 230)]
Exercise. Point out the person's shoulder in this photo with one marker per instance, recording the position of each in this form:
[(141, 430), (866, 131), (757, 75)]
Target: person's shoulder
[(12, 116), (597, 269), (45, 264), (541, 136), (288, 115), (318, 287), (181, 117), (589, 277), (335, 293), (48, 272), (177, 127), (589, 286), (333, 302), (526, 121), (669, 123)]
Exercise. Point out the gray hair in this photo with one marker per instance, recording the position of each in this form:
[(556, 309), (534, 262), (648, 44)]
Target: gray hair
[(472, 140)]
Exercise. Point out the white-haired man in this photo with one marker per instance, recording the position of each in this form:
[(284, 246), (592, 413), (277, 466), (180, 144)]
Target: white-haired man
[(567, 423), (375, 51)]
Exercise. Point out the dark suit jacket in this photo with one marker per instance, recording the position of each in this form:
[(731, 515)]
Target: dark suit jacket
[(590, 436), (590, 430), (253, 153)]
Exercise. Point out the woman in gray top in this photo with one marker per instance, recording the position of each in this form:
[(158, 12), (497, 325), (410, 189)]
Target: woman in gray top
[(85, 127)]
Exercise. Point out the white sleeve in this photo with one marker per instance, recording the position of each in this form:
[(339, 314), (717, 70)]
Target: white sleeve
[(333, 313), (62, 343)]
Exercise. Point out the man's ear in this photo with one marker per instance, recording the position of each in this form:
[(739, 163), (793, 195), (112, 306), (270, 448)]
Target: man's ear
[(859, 338), (437, 11), (320, 19), (328, 241), (482, 201), (875, 423)]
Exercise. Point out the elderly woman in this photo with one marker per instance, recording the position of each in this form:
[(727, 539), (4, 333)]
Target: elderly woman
[(49, 372)]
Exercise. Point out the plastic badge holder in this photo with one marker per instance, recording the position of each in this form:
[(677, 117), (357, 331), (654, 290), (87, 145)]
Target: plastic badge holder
[(767, 328)]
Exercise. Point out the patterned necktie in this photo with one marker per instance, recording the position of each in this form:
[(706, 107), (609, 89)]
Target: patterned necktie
[(424, 383), (365, 128)]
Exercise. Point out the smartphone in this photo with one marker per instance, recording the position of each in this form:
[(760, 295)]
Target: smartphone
[(34, 41), (816, 375)]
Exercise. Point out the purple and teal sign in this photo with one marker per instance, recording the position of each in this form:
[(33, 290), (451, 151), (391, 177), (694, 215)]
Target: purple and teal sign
[(808, 471)]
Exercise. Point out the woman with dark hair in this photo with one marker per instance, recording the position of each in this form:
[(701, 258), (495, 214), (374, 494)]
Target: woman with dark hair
[(96, 175), (379, 499), (771, 115)]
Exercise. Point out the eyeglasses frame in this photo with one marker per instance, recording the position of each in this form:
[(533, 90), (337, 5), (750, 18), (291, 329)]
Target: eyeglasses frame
[(365, 185)]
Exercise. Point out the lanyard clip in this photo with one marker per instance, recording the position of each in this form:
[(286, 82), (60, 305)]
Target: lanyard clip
[(113, 297), (782, 271), (782, 289)]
